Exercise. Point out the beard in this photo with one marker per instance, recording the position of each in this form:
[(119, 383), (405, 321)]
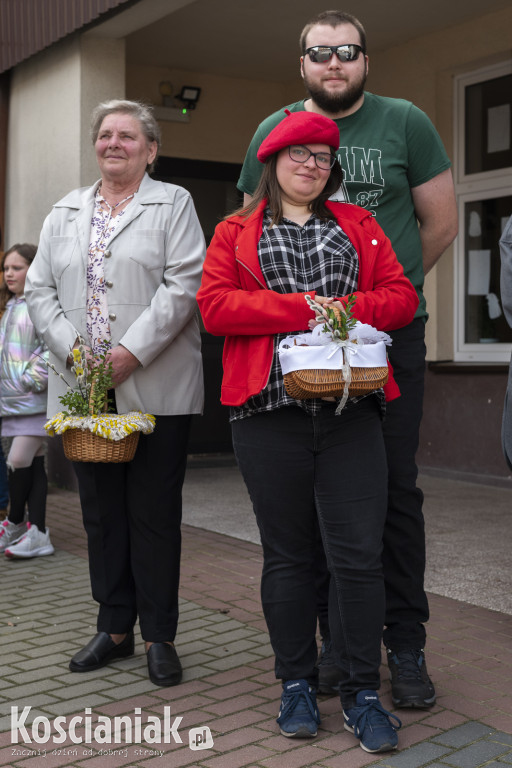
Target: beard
[(335, 102)]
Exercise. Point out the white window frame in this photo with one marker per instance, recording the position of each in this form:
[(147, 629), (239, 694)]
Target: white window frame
[(470, 187)]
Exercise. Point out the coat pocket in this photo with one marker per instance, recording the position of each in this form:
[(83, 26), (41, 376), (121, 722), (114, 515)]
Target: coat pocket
[(147, 248), (61, 251)]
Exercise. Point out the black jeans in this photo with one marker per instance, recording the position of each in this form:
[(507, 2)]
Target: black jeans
[(297, 467), (132, 516), (404, 534)]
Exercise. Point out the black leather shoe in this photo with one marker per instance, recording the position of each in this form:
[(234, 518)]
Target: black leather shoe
[(163, 664), (100, 651)]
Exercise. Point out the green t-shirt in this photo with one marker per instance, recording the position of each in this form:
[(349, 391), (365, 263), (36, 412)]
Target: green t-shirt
[(386, 147)]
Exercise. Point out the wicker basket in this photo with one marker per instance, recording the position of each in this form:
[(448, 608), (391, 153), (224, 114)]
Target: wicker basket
[(306, 384), (83, 445)]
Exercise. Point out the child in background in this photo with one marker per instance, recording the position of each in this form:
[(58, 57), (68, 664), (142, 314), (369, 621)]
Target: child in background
[(4, 493), (23, 384)]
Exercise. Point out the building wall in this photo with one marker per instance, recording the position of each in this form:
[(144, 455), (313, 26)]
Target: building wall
[(42, 161), (461, 427), (102, 77), (423, 71), (225, 118), (50, 151)]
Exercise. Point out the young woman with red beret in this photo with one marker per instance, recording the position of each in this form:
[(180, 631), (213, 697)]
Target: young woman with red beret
[(300, 461)]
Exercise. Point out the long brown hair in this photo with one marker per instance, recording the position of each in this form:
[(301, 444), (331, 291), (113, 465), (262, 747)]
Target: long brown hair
[(26, 251), (269, 189)]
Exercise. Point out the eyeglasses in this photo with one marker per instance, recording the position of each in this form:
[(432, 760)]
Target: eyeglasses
[(300, 154), (322, 53)]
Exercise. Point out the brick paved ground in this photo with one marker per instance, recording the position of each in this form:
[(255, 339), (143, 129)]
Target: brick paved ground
[(229, 686)]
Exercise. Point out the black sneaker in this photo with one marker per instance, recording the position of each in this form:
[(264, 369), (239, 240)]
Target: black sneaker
[(329, 673), (410, 684)]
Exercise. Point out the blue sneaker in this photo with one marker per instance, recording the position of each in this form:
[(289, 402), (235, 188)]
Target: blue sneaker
[(299, 717), (372, 724)]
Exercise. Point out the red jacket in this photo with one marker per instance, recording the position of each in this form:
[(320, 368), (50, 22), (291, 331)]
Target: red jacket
[(235, 302)]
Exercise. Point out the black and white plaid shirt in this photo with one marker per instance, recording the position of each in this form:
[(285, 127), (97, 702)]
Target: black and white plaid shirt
[(296, 259)]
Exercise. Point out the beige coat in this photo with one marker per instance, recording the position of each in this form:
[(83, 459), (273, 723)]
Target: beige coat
[(152, 271)]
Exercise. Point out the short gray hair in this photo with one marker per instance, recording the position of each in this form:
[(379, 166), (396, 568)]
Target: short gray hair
[(141, 112)]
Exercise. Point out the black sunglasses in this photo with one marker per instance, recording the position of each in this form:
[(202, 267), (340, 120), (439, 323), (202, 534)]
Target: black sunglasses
[(322, 53)]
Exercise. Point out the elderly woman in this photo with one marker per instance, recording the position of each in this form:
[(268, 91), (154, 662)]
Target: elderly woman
[(301, 461), (120, 263)]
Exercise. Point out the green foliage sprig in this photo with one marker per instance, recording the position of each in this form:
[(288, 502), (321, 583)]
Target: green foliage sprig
[(338, 322), (93, 380)]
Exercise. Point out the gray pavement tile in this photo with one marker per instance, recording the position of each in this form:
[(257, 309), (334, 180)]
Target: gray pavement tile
[(35, 702), (414, 757), (65, 691), (81, 599), (36, 628), (501, 738), (41, 699), (8, 672), (14, 658), (196, 672), (464, 734), (193, 647), (190, 611), (191, 635), (57, 627), (60, 659), (233, 648), (195, 659), (499, 763), (230, 662), (56, 648), (75, 617), (123, 678), (135, 664), (200, 623), (476, 755), (227, 623), (33, 675), (47, 587), (239, 633), (263, 650), (75, 705), (10, 635), (32, 689), (22, 613)]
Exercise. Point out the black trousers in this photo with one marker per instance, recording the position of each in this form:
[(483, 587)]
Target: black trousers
[(132, 517), (299, 469), (403, 556)]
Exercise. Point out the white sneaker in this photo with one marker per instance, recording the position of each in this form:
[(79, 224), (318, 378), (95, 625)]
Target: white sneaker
[(10, 533), (33, 544)]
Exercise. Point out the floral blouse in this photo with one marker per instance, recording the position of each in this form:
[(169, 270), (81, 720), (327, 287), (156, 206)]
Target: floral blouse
[(103, 226)]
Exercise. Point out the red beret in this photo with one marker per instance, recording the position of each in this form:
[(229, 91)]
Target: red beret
[(299, 128)]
